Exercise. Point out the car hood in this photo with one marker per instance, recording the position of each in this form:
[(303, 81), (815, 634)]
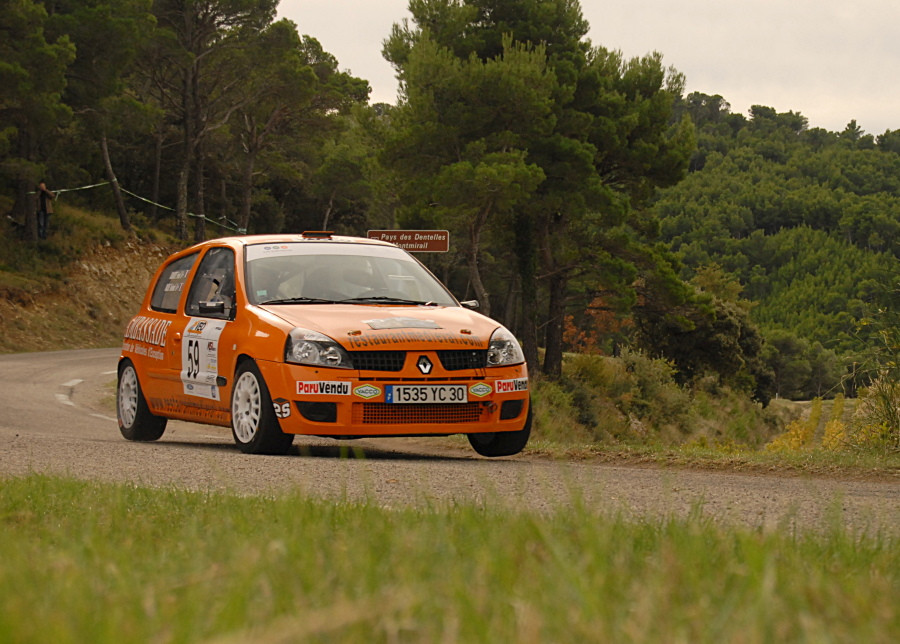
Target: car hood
[(367, 327)]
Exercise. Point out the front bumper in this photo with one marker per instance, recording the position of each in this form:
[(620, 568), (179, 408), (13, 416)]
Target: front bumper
[(334, 402)]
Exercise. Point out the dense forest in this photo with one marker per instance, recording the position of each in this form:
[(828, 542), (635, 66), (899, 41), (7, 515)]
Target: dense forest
[(592, 205), (805, 221)]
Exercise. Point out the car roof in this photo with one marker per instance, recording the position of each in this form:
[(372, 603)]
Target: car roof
[(284, 238)]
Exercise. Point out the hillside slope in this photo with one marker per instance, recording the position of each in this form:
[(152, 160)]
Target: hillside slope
[(100, 293)]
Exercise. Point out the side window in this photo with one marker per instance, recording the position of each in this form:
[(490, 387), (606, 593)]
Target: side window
[(167, 292), (212, 291)]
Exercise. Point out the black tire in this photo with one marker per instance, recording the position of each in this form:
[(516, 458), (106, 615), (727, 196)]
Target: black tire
[(502, 443), (253, 422), (136, 421)]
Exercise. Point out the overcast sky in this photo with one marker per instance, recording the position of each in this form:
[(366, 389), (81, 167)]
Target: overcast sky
[(830, 60)]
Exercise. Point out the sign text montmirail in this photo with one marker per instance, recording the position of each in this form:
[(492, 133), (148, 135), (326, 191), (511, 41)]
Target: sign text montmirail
[(421, 241)]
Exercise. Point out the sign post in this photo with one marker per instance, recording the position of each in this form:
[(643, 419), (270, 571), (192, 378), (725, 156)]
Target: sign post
[(415, 241)]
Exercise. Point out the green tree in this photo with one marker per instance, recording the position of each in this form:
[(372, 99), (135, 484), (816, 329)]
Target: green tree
[(461, 135), (709, 333), (825, 372), (195, 64), (604, 146), (879, 412), (790, 364), (298, 93), (107, 38), (33, 77)]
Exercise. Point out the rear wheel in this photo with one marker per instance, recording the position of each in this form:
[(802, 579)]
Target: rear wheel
[(502, 443), (136, 422), (253, 422)]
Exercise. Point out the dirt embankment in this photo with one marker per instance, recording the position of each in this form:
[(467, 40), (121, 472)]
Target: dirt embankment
[(99, 295)]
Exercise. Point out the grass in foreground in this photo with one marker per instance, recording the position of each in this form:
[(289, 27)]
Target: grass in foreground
[(91, 562)]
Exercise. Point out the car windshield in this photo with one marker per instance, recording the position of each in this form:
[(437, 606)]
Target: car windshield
[(327, 272)]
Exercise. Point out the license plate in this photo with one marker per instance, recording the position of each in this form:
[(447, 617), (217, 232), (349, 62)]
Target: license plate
[(427, 394)]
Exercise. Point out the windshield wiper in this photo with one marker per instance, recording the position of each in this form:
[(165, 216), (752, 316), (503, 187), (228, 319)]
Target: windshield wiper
[(299, 300), (385, 299)]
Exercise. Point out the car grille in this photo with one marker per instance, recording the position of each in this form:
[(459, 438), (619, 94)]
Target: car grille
[(451, 360), (387, 414), (459, 360), (378, 360)]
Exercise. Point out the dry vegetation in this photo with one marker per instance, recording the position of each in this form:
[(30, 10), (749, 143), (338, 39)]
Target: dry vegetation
[(80, 298)]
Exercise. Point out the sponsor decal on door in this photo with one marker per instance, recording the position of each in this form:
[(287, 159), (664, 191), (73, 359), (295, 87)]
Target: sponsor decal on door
[(200, 358)]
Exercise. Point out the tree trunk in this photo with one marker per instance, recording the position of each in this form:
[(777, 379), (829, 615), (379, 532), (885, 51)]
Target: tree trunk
[(26, 205), (157, 167), (475, 229), (199, 194), (114, 183), (553, 339), (181, 199), (187, 102), (510, 307), (198, 133), (223, 199), (251, 147), (328, 210), (247, 190), (25, 208), (527, 256)]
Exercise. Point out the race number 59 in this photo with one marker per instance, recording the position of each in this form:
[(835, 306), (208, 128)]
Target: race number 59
[(193, 356)]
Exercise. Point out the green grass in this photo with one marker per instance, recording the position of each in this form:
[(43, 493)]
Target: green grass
[(89, 562)]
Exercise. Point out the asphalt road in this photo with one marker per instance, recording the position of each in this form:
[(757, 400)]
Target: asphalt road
[(54, 419)]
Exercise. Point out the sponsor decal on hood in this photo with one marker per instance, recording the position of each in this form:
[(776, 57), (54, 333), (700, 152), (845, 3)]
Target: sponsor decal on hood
[(415, 337), (402, 323)]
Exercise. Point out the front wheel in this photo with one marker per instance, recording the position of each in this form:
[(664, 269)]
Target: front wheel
[(502, 443), (136, 422), (253, 422)]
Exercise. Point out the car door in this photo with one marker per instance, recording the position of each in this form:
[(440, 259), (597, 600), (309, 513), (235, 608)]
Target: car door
[(156, 333), (208, 337)]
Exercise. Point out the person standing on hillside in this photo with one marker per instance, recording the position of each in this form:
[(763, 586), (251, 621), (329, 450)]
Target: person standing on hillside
[(45, 209)]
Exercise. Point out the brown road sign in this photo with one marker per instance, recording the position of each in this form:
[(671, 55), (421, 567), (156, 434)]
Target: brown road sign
[(415, 241)]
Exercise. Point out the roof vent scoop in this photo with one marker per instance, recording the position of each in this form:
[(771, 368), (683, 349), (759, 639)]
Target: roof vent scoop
[(318, 234)]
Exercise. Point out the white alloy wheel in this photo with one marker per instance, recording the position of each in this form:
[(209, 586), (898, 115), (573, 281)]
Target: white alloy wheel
[(246, 407), (136, 421), (128, 396), (254, 425)]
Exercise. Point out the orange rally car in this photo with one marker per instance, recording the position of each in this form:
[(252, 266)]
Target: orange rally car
[(315, 334)]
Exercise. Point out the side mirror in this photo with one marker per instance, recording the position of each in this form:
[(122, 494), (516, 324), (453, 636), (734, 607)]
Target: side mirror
[(470, 304), (212, 308)]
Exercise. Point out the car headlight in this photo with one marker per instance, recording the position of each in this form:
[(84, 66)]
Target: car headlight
[(313, 348), (504, 349)]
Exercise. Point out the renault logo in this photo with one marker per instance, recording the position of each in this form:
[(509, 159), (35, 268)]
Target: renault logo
[(424, 365)]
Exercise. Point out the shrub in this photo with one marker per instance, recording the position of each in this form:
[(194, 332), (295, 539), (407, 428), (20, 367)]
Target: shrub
[(800, 433), (835, 434), (635, 399), (876, 421)]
